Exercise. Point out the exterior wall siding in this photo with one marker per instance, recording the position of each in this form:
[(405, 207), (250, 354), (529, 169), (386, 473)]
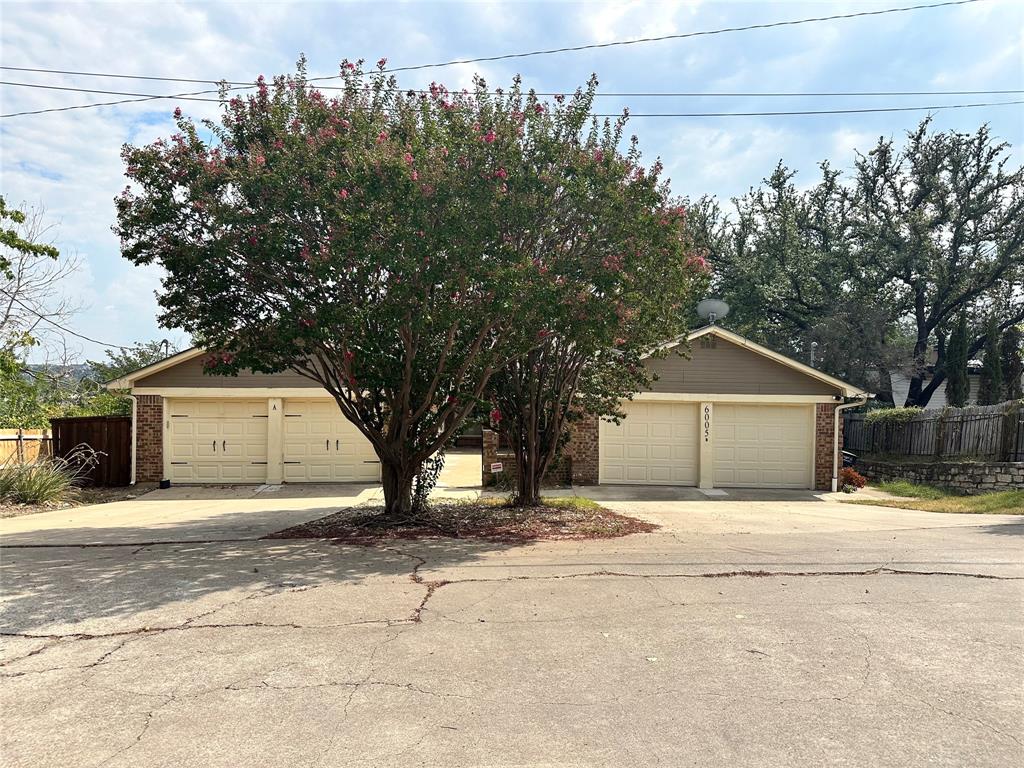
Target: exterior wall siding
[(719, 367), (190, 374), (149, 439)]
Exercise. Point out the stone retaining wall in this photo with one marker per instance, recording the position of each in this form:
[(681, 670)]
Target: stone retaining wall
[(965, 477)]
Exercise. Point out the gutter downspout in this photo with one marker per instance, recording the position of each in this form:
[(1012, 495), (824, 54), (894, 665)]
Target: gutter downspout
[(135, 419), (859, 401)]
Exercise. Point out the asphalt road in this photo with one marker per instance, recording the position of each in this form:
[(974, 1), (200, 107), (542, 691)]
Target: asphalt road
[(750, 631)]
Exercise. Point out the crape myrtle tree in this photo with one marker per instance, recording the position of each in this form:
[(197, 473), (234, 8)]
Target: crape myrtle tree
[(618, 282), (382, 243)]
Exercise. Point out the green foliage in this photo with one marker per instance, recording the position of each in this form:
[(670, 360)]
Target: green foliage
[(12, 240), (46, 479), (892, 415), (1011, 355), (958, 386), (990, 388), (875, 268), (397, 248)]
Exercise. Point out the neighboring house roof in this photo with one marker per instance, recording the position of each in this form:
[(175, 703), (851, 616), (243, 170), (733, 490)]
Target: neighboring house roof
[(848, 390)]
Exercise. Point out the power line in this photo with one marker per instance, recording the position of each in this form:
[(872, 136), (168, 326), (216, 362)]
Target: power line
[(543, 52), (618, 94), (681, 36), (779, 113), (54, 323)]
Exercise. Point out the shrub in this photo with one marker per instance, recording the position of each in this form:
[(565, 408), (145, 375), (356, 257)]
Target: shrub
[(892, 415), (850, 480), (46, 479)]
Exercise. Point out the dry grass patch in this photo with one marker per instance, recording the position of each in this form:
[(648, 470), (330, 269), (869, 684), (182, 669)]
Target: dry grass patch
[(490, 519)]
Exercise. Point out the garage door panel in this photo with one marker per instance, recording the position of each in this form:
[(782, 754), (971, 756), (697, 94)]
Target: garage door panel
[(656, 444), (217, 441), (322, 446), (762, 446)]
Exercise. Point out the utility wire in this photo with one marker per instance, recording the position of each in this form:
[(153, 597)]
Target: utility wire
[(622, 94), (930, 107), (681, 36), (54, 323), (543, 52)]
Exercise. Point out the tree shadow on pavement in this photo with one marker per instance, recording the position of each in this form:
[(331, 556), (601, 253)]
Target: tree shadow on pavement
[(99, 589)]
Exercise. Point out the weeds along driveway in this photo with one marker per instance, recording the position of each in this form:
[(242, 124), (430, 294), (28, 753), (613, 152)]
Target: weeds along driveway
[(723, 647)]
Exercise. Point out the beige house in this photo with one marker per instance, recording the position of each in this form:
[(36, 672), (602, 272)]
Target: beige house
[(733, 414)]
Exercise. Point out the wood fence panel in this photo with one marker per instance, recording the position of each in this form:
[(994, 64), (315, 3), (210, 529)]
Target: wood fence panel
[(993, 432), (23, 445), (108, 435)]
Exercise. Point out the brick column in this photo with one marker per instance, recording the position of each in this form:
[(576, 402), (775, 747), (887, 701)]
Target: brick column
[(488, 455), (823, 444), (583, 450), (149, 439)]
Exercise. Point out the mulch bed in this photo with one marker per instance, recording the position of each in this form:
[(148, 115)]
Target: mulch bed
[(486, 519)]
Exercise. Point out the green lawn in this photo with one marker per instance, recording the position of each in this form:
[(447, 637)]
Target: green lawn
[(930, 499)]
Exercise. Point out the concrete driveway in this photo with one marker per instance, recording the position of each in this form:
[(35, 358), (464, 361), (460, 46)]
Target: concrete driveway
[(747, 631)]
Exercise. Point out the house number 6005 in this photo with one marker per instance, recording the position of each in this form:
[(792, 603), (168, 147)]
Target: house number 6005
[(707, 423)]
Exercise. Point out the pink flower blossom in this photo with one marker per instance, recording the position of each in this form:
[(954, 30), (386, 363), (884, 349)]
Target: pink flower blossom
[(381, 63), (278, 144), (343, 194), (344, 123), (598, 156), (260, 159), (177, 112), (349, 355), (501, 173), (489, 137), (408, 158), (382, 137), (496, 415), (538, 108), (348, 65), (415, 175)]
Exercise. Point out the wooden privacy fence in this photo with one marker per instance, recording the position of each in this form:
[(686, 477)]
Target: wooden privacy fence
[(994, 432), (22, 445), (111, 436)]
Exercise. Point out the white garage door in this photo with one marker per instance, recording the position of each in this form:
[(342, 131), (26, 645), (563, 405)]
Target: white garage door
[(217, 441), (656, 444), (322, 446), (762, 446)]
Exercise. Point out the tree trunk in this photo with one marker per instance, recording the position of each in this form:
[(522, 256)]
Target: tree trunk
[(528, 482), (397, 481)]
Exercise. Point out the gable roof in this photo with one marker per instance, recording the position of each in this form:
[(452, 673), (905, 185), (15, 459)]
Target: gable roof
[(848, 390), (126, 381)]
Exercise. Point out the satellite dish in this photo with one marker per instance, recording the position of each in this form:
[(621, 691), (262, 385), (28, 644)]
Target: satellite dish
[(712, 310)]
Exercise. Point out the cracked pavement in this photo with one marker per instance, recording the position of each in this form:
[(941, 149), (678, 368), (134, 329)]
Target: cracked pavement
[(772, 632)]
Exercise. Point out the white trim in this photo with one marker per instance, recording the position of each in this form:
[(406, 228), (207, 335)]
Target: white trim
[(247, 393), (125, 382), (708, 398), (848, 390)]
